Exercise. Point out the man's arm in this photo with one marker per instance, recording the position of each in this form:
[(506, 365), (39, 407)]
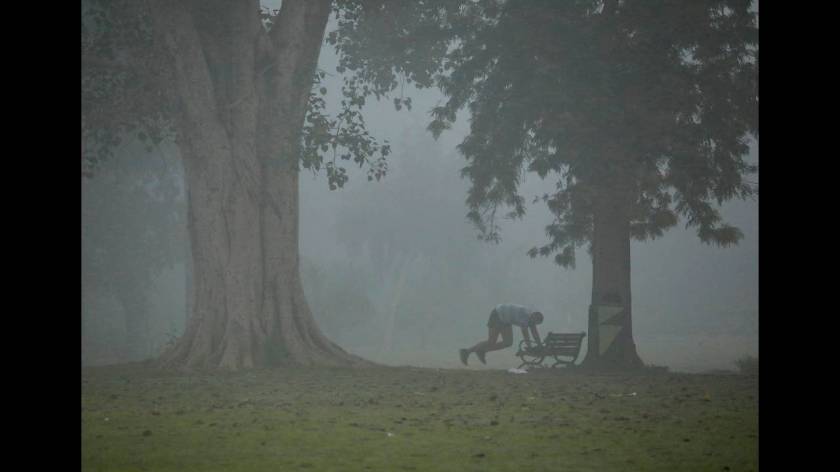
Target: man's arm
[(525, 335), (536, 334)]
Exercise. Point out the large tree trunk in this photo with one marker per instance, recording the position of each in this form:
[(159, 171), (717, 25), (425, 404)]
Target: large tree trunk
[(610, 340), (243, 97)]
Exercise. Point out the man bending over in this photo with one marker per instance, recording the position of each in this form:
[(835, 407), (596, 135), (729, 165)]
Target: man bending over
[(501, 322)]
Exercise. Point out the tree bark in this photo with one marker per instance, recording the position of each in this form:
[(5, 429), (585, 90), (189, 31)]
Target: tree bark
[(610, 341), (243, 99)]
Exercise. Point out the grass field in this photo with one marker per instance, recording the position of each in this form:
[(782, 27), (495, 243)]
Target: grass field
[(394, 419)]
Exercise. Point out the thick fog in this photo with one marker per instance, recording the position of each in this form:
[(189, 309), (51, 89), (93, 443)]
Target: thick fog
[(695, 306), (394, 272)]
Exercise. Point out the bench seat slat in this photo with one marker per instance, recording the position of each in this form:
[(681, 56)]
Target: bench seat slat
[(558, 352)]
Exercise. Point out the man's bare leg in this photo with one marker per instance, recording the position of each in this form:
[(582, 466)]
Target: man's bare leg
[(492, 335), (491, 343)]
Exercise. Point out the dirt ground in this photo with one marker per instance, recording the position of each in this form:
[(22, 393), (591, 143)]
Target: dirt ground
[(392, 419)]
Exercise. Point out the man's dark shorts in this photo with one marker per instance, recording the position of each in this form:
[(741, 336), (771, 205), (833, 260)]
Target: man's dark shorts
[(494, 321)]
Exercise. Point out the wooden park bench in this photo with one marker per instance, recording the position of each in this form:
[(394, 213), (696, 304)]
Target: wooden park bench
[(556, 345)]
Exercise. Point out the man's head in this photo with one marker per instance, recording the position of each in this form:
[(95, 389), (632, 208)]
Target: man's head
[(535, 318)]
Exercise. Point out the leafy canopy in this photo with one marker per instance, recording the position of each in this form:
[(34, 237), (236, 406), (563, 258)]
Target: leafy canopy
[(127, 94), (651, 102)]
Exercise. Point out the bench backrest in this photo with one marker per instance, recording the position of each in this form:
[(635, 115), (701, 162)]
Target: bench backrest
[(564, 343)]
